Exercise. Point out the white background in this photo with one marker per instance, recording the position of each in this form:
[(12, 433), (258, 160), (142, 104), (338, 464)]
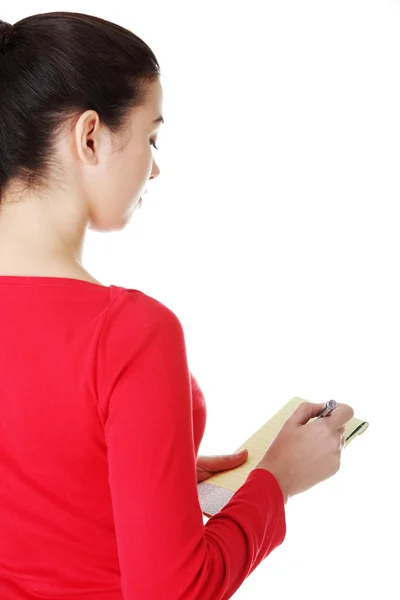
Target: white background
[(272, 232)]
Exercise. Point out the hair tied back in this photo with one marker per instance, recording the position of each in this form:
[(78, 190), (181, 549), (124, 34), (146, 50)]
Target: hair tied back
[(7, 33)]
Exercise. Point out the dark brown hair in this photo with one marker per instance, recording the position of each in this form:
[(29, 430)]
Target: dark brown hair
[(53, 67)]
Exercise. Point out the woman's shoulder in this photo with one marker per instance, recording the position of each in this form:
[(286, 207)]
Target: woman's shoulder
[(132, 305)]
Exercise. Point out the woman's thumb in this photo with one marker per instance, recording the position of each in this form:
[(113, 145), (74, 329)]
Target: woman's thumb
[(306, 411)]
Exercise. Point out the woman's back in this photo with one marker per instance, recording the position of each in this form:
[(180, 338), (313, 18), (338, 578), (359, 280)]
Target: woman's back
[(100, 425), (56, 513)]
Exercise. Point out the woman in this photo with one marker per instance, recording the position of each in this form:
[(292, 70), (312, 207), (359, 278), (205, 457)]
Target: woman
[(100, 417)]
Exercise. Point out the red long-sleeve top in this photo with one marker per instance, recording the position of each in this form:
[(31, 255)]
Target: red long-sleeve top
[(100, 426)]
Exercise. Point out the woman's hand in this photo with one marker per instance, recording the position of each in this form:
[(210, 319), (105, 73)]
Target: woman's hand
[(206, 466)]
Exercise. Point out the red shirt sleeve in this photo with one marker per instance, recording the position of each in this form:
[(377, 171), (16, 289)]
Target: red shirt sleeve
[(144, 393)]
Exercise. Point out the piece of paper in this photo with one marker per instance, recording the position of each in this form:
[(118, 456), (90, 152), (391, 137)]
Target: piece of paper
[(217, 490)]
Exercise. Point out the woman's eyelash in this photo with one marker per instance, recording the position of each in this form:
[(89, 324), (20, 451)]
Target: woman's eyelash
[(152, 142)]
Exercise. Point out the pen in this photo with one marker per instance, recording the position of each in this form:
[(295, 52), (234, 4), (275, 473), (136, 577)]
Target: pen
[(327, 409)]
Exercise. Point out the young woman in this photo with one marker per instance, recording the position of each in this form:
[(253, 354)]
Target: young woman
[(100, 417)]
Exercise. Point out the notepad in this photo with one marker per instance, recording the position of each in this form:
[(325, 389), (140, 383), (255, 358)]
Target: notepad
[(217, 490)]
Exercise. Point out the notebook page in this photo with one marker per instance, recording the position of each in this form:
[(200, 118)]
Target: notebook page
[(258, 443)]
